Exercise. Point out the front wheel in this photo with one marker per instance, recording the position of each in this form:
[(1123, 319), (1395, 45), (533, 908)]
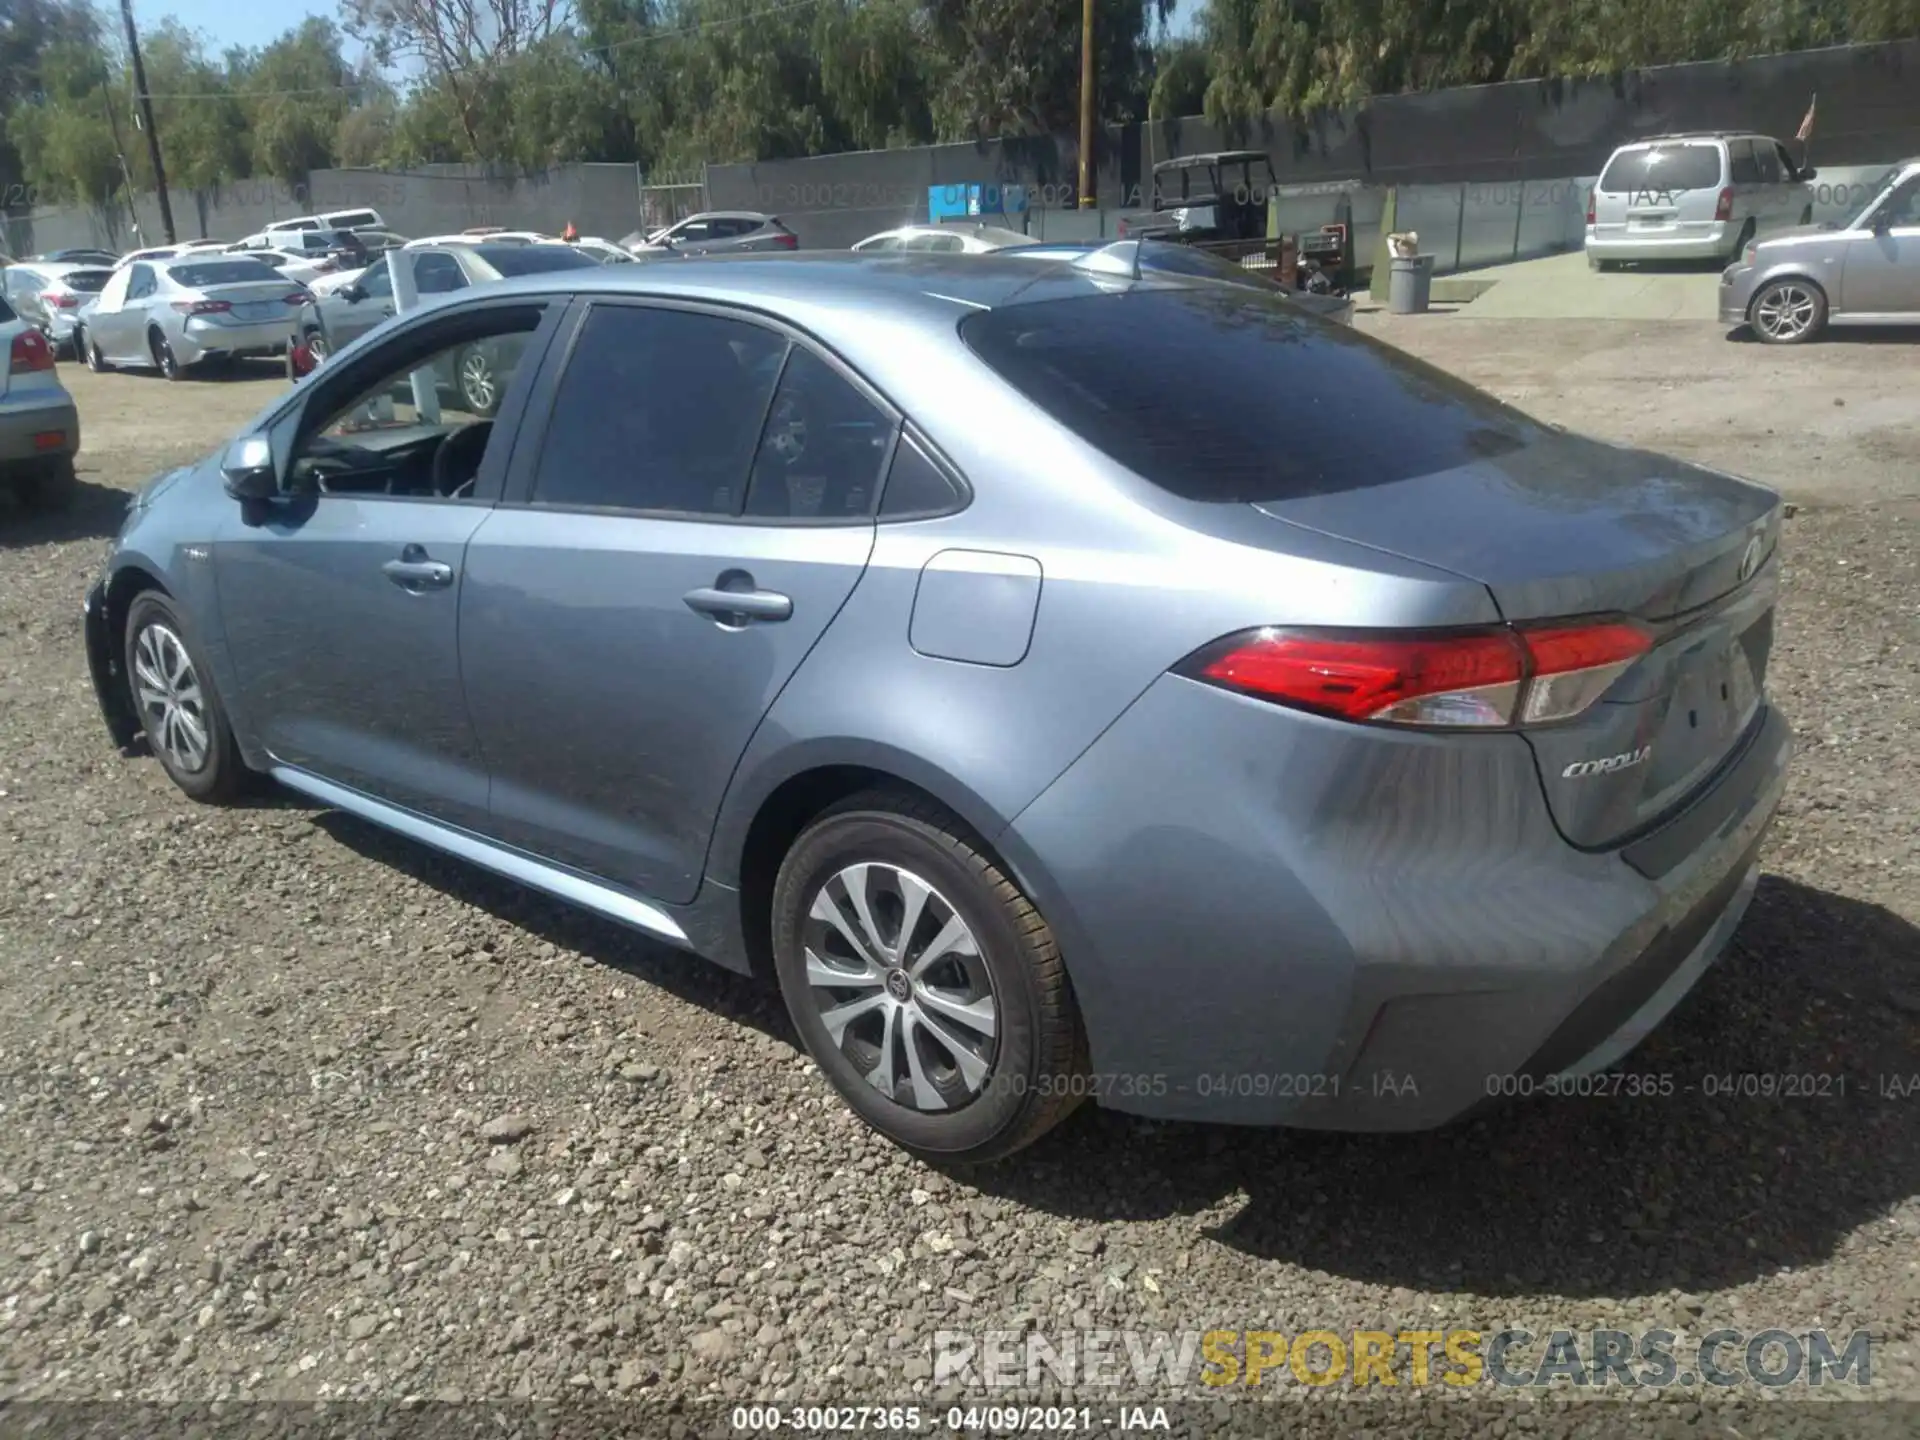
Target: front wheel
[(85, 344), (924, 983), (173, 694), (1788, 312)]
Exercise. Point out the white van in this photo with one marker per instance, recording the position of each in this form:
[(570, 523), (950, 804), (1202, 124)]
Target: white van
[(1694, 197)]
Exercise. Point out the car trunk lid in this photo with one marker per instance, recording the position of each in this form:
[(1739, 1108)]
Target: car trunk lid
[(1565, 527), (251, 302)]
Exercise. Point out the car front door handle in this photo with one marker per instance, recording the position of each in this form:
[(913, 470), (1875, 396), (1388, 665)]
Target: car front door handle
[(739, 606), (418, 574)]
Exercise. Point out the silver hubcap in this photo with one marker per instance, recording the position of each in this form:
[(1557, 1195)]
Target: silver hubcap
[(897, 978), (317, 345), (171, 704), (1785, 312), (476, 379)]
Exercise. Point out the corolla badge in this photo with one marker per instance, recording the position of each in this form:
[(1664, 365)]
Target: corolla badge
[(1581, 769)]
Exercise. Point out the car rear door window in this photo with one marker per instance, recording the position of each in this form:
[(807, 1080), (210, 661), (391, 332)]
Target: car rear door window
[(659, 410), (140, 284), (821, 449), (917, 487), (1767, 162), (1663, 167), (1745, 169), (1246, 401)]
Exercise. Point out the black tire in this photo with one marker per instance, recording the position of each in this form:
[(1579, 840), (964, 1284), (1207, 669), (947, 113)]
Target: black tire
[(1806, 216), (1038, 1053), (96, 362), (164, 360), (1775, 293), (222, 776)]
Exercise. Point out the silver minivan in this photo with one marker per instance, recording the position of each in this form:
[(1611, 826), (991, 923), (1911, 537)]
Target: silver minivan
[(1694, 197)]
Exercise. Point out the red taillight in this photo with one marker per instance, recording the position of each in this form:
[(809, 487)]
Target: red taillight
[(30, 352), (1120, 230), (786, 242), (1480, 678), (202, 307), (1724, 210), (1589, 207), (61, 302), (298, 297)]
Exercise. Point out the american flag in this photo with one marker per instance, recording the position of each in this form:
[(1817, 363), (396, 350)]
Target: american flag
[(1805, 132)]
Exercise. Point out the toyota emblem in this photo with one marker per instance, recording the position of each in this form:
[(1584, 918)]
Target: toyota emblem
[(1750, 560)]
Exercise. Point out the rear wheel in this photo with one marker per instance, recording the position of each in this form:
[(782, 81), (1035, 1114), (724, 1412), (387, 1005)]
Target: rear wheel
[(1788, 312), (923, 982), (173, 695), (164, 359)]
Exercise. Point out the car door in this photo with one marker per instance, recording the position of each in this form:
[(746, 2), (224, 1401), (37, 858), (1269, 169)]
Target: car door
[(698, 511), (1882, 275), (348, 314), (340, 599), (118, 321)]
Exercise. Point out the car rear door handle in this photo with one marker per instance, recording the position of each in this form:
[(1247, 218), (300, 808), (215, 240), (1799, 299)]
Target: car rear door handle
[(414, 573), (736, 606)]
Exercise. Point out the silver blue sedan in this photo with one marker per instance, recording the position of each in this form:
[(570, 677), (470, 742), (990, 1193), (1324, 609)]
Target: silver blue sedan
[(170, 314)]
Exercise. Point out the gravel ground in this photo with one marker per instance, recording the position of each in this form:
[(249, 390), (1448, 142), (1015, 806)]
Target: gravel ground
[(297, 1111)]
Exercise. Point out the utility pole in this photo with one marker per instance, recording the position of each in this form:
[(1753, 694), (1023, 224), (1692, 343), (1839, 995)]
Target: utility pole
[(120, 151), (146, 121), (1086, 104)]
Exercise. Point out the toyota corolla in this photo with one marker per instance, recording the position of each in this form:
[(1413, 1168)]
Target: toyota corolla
[(1272, 729)]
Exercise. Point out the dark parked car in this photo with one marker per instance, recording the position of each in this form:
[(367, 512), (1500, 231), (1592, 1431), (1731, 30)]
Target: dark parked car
[(1283, 732)]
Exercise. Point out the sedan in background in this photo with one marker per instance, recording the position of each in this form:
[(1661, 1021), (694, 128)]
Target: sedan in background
[(1789, 289), (946, 239), (39, 426), (169, 315), (715, 232), (1064, 682), (54, 297)]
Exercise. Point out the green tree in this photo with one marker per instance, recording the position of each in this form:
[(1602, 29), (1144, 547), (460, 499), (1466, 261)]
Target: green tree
[(295, 93), (203, 130)]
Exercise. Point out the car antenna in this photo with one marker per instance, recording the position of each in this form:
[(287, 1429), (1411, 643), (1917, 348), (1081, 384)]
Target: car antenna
[(1122, 257)]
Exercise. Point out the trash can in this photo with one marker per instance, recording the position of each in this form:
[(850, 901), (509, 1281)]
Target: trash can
[(1409, 284)]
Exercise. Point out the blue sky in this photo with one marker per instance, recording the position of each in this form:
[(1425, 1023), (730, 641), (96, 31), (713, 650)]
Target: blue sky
[(224, 23)]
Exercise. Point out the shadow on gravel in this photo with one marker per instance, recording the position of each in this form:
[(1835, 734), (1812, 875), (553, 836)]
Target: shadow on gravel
[(1582, 1197), (734, 997), (94, 513)]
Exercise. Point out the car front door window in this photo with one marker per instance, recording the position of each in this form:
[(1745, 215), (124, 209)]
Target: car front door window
[(437, 273)]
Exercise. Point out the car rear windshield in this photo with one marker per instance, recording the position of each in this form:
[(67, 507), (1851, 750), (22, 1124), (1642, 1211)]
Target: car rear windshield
[(1232, 396), (221, 272), (86, 282), (1663, 167), (532, 259)]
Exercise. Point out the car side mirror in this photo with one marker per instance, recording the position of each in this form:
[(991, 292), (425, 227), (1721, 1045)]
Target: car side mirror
[(1809, 173), (1882, 222), (247, 469), (353, 294)]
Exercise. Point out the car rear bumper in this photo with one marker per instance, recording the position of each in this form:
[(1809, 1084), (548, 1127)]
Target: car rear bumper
[(1270, 919), (38, 425), (200, 341), (1696, 243)]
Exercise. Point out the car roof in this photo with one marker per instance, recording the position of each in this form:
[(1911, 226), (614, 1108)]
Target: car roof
[(759, 215)]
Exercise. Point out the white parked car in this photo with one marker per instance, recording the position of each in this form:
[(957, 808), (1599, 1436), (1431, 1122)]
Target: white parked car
[(1694, 197), (952, 239)]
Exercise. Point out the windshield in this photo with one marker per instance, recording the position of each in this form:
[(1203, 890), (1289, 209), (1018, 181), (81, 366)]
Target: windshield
[(220, 272), (1876, 192), (1199, 421)]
